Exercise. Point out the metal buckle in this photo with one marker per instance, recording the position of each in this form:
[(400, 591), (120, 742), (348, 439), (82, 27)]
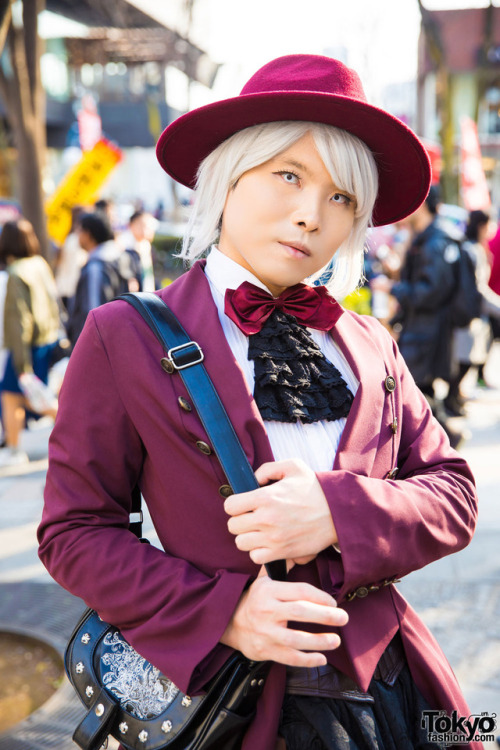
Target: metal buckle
[(176, 349)]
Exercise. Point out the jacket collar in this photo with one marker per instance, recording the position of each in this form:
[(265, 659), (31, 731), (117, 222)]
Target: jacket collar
[(191, 300)]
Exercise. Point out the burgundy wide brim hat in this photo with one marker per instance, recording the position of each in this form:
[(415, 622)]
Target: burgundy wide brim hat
[(309, 88)]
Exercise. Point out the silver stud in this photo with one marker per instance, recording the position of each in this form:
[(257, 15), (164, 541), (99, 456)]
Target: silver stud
[(186, 701), (80, 667), (99, 709), (89, 691), (166, 726), (143, 736), (123, 727), (85, 638)]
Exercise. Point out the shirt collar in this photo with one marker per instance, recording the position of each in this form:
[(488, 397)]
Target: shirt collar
[(224, 273)]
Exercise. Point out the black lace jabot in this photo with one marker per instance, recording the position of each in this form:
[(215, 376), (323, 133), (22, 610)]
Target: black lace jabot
[(293, 378)]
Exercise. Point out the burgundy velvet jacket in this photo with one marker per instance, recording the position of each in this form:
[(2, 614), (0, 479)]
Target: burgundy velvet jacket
[(120, 422)]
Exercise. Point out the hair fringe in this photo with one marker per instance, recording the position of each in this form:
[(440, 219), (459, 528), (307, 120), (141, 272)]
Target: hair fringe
[(349, 161)]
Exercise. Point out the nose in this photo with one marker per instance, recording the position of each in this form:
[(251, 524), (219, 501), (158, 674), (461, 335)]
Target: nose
[(307, 213)]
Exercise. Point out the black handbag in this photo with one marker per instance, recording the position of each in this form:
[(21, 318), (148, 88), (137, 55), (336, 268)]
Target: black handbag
[(125, 695)]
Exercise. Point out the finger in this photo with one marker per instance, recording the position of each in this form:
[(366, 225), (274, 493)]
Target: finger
[(243, 524), (319, 614), (243, 502), (276, 470), (299, 640), (304, 560), (286, 591), (248, 542), (290, 657)]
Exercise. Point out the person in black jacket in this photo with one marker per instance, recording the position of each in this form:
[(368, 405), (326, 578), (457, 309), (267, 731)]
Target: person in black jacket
[(424, 293), (107, 273)]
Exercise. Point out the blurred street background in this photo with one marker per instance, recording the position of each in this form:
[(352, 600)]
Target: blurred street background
[(86, 88)]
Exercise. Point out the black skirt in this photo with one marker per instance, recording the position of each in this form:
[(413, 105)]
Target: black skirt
[(391, 722)]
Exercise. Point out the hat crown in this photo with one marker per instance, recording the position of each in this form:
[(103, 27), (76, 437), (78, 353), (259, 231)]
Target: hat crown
[(322, 75)]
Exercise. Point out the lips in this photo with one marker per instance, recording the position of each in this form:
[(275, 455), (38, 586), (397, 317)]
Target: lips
[(297, 246)]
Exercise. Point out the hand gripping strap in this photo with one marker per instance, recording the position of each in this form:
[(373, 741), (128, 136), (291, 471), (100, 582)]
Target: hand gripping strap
[(187, 358)]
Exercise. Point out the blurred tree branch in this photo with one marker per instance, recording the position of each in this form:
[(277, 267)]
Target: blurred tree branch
[(444, 98), (24, 99)]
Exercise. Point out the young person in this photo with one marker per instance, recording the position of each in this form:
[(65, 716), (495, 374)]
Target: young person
[(359, 485), (31, 325)]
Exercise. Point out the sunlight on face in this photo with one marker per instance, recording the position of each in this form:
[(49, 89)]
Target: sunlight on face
[(285, 219)]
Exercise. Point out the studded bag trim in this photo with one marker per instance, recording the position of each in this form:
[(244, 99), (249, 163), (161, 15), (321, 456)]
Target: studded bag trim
[(130, 699)]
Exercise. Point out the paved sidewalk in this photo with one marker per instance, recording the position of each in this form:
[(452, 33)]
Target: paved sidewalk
[(458, 597)]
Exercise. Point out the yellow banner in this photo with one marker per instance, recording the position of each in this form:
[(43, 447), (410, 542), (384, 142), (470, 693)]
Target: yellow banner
[(80, 187)]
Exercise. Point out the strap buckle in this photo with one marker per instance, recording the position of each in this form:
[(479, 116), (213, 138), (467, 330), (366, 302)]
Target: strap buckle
[(185, 355)]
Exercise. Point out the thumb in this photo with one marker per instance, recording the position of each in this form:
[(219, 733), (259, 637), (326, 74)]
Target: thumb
[(275, 470)]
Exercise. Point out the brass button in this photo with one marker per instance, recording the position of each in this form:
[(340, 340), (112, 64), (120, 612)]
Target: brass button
[(394, 426), (203, 447), (167, 365), (184, 404), (226, 490), (393, 474), (362, 591), (390, 384)]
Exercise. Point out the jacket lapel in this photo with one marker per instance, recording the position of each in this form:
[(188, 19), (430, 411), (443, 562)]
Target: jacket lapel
[(358, 444)]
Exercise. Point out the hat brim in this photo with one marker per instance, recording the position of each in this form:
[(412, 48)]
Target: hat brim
[(403, 164)]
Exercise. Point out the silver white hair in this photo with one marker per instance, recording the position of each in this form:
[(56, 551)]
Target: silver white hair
[(349, 161)]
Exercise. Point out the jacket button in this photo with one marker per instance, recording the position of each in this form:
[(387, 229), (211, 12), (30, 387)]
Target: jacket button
[(390, 384), (203, 447), (394, 426), (167, 365), (362, 591), (226, 490), (184, 403)]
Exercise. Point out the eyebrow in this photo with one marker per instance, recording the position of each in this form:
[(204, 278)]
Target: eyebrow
[(297, 165)]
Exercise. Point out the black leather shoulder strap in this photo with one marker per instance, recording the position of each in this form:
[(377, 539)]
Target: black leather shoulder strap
[(186, 357)]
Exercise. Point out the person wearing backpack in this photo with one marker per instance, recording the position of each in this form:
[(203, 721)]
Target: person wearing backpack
[(107, 273), (425, 293), (472, 341)]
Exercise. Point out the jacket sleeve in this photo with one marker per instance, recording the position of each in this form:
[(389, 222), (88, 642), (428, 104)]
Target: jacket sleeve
[(390, 527), (434, 282), (170, 611), (19, 324)]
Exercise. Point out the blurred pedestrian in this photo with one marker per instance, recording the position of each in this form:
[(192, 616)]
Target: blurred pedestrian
[(357, 482), (136, 241), (471, 344), (424, 293), (106, 209), (31, 330), (69, 261), (107, 273)]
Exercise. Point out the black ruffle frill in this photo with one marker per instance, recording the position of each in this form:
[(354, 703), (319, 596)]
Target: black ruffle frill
[(293, 378)]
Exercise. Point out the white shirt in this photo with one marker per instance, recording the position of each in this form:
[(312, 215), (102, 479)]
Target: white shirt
[(316, 444)]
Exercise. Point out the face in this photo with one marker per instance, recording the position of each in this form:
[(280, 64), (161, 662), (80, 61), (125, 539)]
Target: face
[(285, 219)]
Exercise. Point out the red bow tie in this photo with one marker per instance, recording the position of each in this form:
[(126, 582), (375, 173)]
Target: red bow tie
[(249, 306)]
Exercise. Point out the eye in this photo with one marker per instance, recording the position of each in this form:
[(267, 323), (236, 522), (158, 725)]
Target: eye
[(342, 199), (290, 177)]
